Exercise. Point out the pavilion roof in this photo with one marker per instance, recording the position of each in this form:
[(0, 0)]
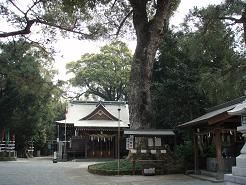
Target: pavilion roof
[(214, 111)]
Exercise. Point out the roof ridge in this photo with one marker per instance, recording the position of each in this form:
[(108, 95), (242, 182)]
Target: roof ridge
[(226, 104), (97, 102)]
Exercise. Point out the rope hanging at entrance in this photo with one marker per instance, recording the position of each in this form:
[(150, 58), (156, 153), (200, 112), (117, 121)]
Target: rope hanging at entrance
[(211, 132), (227, 135), (102, 137)]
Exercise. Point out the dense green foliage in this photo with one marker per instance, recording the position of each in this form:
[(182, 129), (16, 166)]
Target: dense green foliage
[(87, 19), (105, 74), (28, 99), (175, 95), (196, 69), (231, 13), (221, 64), (184, 153)]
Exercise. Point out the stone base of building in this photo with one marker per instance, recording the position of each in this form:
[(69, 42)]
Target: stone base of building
[(230, 179)]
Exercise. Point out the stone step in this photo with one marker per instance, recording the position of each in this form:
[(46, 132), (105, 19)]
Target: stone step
[(237, 171), (241, 162), (231, 179), (208, 173)]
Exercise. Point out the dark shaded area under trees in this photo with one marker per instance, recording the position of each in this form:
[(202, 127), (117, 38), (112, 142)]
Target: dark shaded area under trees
[(28, 99)]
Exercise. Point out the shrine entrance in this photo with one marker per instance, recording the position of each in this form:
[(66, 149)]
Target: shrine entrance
[(90, 143), (101, 146)]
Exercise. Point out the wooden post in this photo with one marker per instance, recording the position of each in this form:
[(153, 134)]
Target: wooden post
[(86, 147), (133, 164), (195, 148), (116, 147), (218, 145)]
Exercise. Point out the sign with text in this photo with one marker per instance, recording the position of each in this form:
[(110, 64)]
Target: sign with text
[(129, 143), (157, 141), (150, 142)]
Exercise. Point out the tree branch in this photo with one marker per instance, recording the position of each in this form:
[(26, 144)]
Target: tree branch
[(16, 6), (31, 7), (113, 4), (122, 22), (232, 19), (95, 92), (25, 31), (30, 23), (71, 29)]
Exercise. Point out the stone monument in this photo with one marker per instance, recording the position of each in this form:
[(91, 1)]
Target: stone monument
[(238, 176)]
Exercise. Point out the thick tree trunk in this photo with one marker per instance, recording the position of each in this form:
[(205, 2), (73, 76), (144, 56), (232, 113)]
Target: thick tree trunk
[(149, 34)]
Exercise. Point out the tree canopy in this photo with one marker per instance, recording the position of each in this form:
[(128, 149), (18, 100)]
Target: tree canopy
[(29, 101), (196, 69), (214, 47), (105, 74), (93, 19), (232, 13), (175, 94)]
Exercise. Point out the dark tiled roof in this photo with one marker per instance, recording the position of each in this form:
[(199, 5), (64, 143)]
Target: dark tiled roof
[(214, 111), (227, 104)]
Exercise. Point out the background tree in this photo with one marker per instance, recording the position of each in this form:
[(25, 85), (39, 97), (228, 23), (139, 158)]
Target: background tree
[(105, 74), (28, 99), (150, 17), (176, 98), (196, 69), (221, 63), (231, 12)]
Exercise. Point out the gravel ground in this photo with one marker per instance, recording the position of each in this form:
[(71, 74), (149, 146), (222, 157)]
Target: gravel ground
[(44, 172)]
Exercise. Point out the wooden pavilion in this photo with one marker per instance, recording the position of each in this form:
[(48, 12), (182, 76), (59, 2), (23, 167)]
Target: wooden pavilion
[(92, 129), (219, 129)]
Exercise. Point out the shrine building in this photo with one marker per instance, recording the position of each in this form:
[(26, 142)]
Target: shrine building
[(91, 129)]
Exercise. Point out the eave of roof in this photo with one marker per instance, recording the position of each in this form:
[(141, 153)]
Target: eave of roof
[(239, 109), (204, 118), (96, 123), (157, 132)]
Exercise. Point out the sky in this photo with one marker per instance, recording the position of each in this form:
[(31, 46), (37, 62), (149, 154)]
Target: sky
[(72, 49)]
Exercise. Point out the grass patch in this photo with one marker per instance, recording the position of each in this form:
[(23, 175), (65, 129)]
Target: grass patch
[(126, 167), (7, 159), (111, 168), (113, 165)]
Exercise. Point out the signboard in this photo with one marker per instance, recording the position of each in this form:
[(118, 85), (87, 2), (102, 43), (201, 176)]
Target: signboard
[(163, 151), (153, 151), (129, 143), (243, 119), (157, 141), (150, 142)]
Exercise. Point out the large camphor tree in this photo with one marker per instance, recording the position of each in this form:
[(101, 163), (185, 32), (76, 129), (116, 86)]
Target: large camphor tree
[(100, 18), (104, 74)]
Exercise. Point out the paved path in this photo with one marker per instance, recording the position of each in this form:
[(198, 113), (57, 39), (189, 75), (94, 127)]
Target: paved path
[(44, 172)]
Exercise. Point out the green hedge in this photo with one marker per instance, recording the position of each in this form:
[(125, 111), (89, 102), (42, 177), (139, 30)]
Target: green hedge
[(7, 159), (111, 168)]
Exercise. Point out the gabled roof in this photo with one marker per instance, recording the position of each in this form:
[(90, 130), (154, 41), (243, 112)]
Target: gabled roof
[(96, 114), (214, 111), (100, 113)]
